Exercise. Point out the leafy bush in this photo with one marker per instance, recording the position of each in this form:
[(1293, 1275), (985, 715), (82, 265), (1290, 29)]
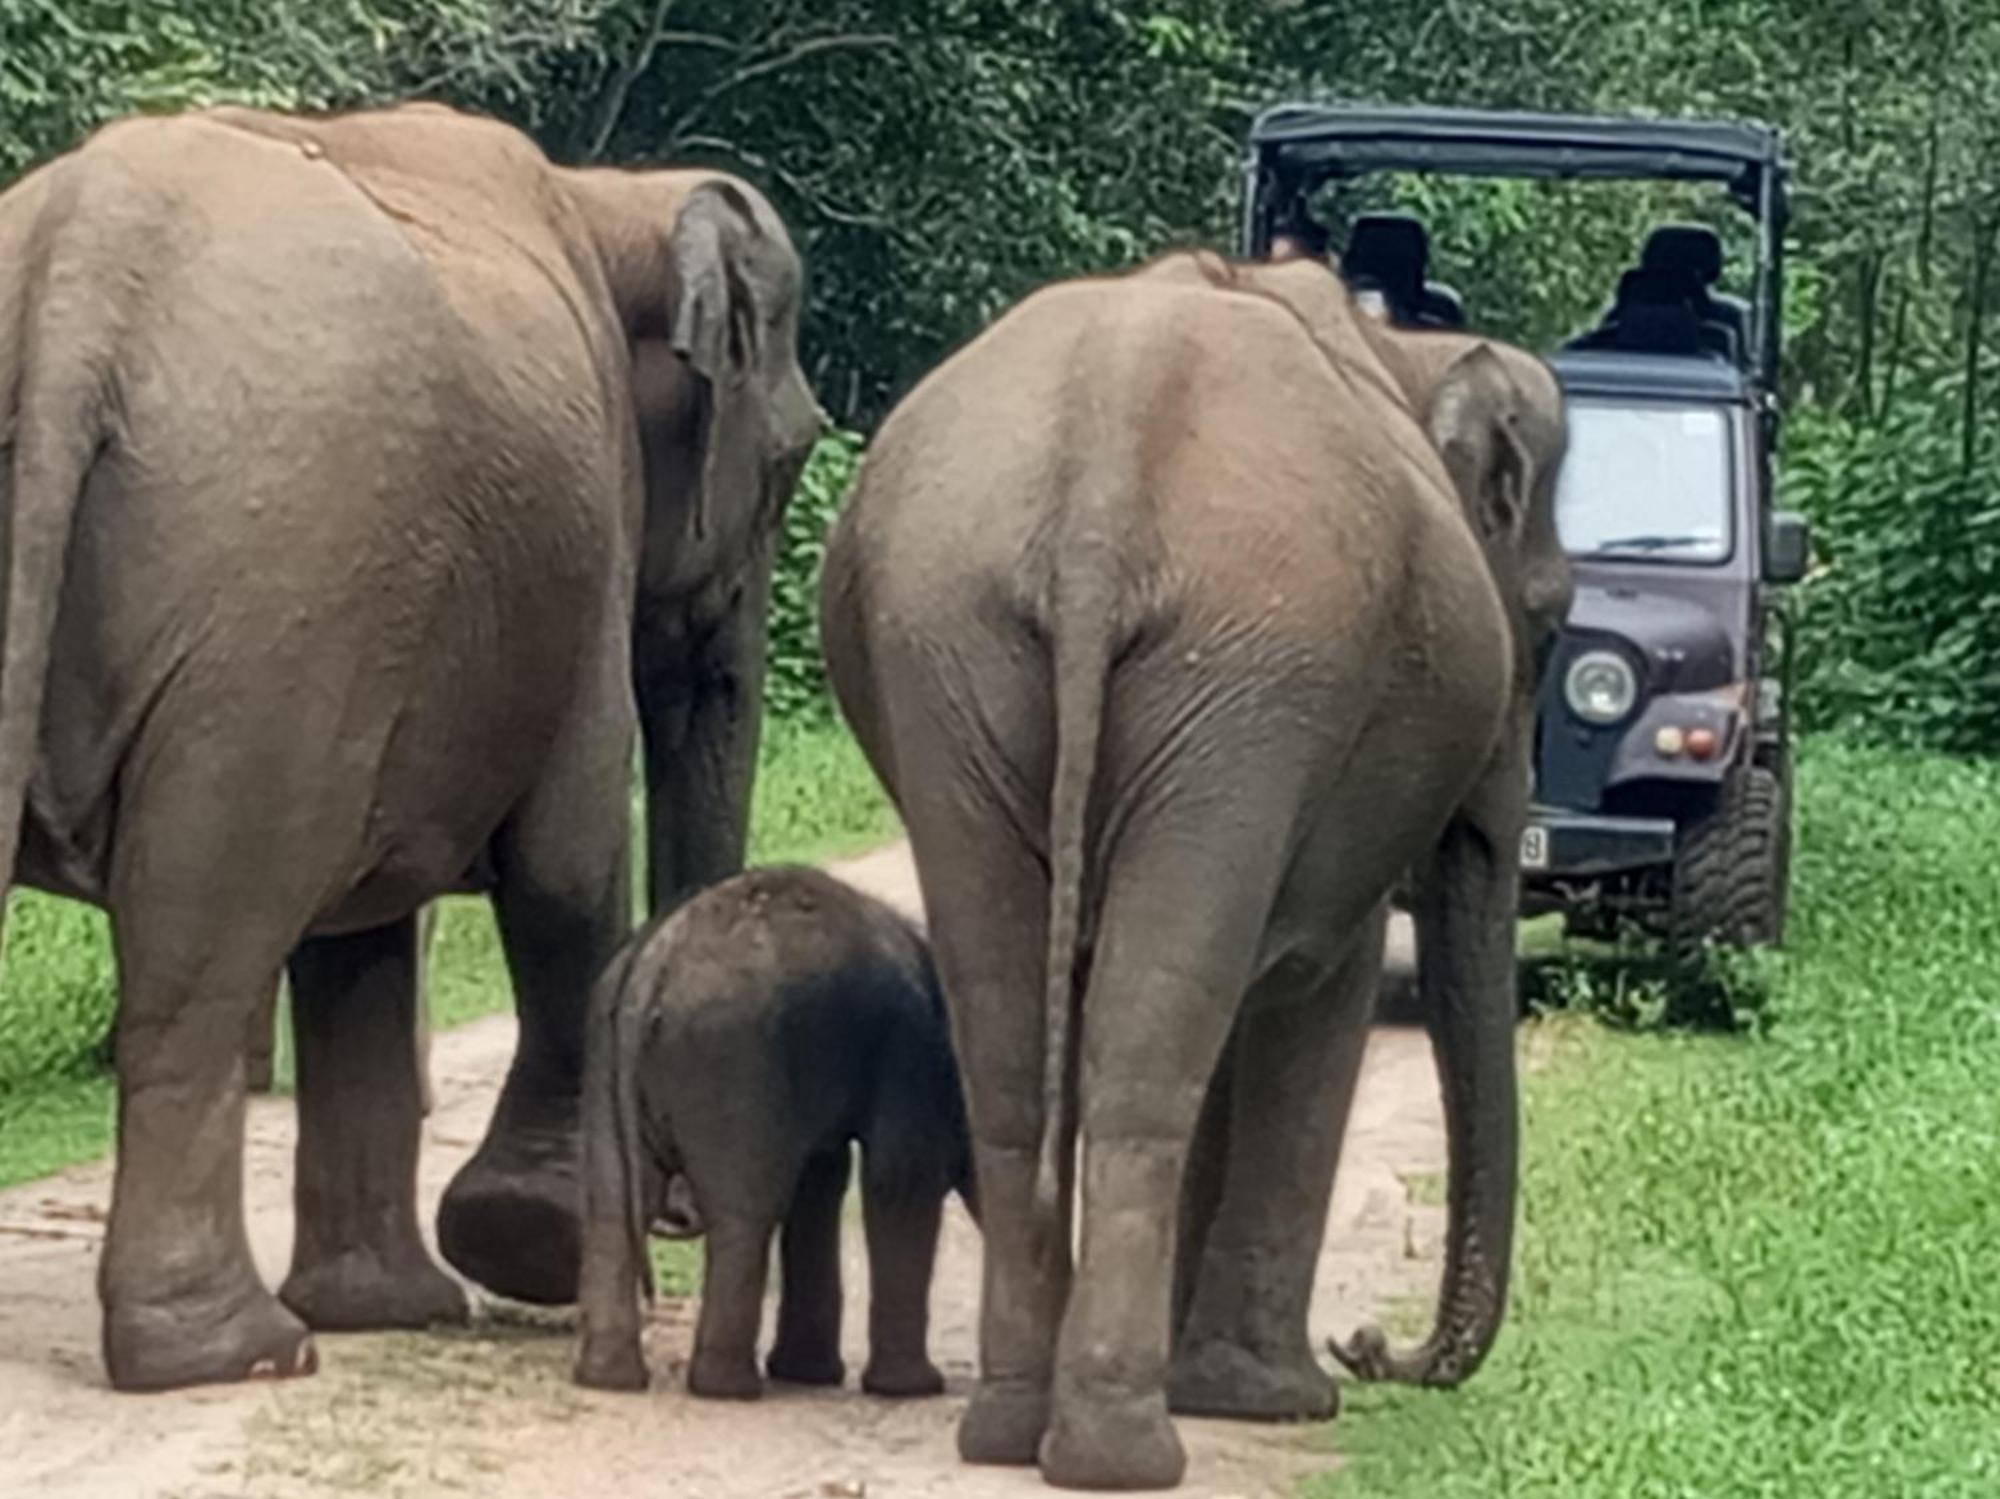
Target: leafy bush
[(795, 684), (60, 991), (1633, 985), (1899, 634)]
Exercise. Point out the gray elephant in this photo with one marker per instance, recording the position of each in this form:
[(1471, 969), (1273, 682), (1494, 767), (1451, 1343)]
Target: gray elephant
[(1182, 613), (338, 458), (745, 1044)]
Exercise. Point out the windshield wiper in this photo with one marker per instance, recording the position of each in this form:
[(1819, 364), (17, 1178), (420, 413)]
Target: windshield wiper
[(1652, 543)]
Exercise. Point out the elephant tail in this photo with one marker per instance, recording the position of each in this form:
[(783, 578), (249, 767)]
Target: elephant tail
[(630, 1126), (614, 1137), (1083, 648), (54, 385)]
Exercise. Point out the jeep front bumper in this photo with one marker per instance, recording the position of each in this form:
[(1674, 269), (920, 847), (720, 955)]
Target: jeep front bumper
[(1583, 845)]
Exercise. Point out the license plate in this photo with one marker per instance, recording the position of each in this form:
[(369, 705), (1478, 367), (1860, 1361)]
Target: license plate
[(1535, 848)]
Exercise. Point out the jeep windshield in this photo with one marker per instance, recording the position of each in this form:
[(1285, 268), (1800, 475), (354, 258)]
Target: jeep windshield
[(1647, 481)]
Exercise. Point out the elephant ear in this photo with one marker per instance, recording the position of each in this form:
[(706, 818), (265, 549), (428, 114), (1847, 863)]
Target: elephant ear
[(728, 300), (1476, 424)]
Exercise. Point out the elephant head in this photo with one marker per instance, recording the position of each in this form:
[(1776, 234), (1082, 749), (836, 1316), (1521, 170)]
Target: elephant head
[(707, 286), (1495, 413)]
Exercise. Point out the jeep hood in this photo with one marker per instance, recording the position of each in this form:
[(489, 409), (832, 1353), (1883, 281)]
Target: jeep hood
[(1685, 647)]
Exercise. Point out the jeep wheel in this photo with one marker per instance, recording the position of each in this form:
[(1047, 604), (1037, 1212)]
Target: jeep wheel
[(1733, 870)]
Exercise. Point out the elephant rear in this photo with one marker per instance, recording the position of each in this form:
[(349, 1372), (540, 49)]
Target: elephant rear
[(315, 492), (1157, 613)]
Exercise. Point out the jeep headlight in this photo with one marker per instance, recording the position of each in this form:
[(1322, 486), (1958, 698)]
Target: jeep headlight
[(1600, 687)]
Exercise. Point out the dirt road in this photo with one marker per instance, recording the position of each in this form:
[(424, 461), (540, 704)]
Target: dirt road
[(491, 1409)]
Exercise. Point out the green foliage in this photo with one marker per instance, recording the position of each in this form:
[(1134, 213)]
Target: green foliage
[(937, 160), (1633, 985), (796, 681), (1756, 1266), (1899, 636), (61, 989), (67, 66), (677, 1267), (816, 798)]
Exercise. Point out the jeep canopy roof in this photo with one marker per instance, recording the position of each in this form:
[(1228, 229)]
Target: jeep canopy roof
[(1295, 148)]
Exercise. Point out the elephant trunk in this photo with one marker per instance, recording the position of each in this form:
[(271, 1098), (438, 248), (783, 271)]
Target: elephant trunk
[(1465, 912), (615, 1267), (700, 706)]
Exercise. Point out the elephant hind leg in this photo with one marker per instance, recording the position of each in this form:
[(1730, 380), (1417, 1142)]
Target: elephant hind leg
[(1201, 1181), (902, 1220), (1181, 931), (724, 1366), (987, 900), (358, 1260), (1244, 1352), (183, 1302), (807, 1350)]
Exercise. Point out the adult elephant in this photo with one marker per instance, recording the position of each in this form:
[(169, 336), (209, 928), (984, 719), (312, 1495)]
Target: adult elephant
[(336, 455), (1180, 628)]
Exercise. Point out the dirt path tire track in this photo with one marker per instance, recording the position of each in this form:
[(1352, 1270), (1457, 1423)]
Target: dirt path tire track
[(491, 1410)]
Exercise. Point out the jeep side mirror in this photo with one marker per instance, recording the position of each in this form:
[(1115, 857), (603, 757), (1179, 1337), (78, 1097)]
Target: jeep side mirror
[(1787, 547)]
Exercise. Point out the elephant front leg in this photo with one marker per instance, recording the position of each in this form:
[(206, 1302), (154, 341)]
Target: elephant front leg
[(183, 1303), (807, 1350), (1244, 1350), (511, 1218), (358, 1260)]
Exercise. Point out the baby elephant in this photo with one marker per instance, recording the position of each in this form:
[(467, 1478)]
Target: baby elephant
[(745, 1044)]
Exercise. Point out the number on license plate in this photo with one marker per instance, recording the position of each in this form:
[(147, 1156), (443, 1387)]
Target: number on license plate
[(1535, 848)]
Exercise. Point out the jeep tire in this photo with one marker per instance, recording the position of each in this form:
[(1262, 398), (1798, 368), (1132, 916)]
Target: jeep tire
[(1732, 872)]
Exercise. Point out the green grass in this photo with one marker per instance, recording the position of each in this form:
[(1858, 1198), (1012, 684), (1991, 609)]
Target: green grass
[(1762, 1265), (816, 800)]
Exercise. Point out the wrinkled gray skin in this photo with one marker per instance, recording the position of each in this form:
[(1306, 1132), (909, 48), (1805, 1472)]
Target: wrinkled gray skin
[(335, 455), (1183, 613), (745, 1044)]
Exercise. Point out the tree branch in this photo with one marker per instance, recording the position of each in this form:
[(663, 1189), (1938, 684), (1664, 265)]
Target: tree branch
[(613, 107), (804, 191), (751, 72)]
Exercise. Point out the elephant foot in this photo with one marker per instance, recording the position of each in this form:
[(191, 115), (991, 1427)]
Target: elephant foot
[(177, 1344), (363, 1291), (724, 1376), (1229, 1381), (1003, 1424), (909, 1378), (617, 1364), (807, 1366), (510, 1221), (1113, 1441)]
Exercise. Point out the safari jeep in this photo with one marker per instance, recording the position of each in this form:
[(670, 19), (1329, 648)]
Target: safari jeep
[(1663, 773)]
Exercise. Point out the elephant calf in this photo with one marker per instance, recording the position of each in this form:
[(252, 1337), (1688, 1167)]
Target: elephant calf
[(744, 1044)]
